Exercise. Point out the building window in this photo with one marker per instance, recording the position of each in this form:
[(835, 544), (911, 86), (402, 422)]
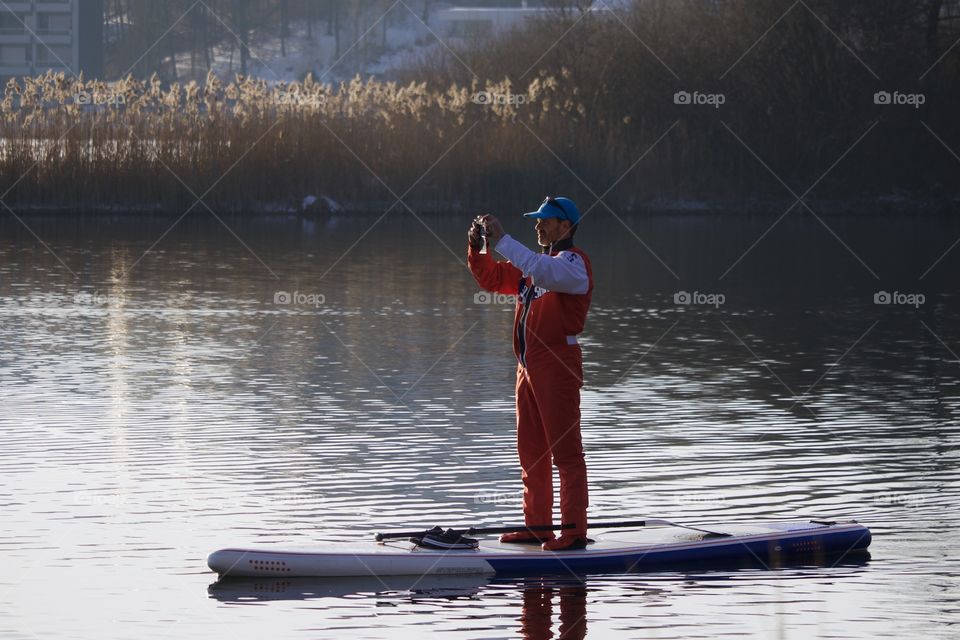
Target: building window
[(54, 23), (55, 56), (11, 24), (14, 56)]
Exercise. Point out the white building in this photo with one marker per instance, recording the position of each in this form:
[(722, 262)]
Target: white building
[(484, 22), (39, 35)]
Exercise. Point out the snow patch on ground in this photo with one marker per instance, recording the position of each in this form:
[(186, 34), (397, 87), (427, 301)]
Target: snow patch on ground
[(323, 204)]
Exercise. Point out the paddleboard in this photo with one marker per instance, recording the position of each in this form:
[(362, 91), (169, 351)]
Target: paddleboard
[(659, 547)]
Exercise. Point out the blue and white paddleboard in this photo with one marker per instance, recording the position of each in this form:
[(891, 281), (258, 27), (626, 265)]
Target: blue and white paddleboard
[(613, 551)]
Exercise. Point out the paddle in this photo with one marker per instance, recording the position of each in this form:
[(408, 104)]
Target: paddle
[(380, 537)]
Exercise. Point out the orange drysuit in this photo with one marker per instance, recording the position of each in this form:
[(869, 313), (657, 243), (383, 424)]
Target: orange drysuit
[(553, 295)]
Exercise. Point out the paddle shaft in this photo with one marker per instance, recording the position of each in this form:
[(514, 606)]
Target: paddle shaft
[(510, 529)]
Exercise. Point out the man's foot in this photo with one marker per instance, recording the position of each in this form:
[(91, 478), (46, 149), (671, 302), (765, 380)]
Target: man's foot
[(525, 537), (565, 543)]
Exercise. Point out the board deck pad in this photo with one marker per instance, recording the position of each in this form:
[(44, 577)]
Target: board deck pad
[(613, 550)]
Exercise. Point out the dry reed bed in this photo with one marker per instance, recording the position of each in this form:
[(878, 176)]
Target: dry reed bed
[(75, 143)]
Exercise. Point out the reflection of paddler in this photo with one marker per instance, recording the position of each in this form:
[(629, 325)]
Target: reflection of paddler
[(553, 292), (536, 620)]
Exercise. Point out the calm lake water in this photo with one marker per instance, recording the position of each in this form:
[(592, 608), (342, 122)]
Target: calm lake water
[(159, 401)]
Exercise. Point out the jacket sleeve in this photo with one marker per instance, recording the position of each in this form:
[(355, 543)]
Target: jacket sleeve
[(563, 273), (491, 275)]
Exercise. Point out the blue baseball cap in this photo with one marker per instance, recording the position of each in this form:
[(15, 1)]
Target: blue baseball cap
[(562, 208)]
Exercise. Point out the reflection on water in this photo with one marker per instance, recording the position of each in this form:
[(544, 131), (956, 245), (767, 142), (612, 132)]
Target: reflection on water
[(540, 598), (158, 405), (535, 608)]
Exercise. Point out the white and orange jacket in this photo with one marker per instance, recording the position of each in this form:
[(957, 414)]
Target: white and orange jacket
[(553, 294)]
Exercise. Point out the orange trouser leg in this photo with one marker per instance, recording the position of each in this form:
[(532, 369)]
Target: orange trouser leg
[(573, 613), (534, 451), (537, 615), (556, 388)]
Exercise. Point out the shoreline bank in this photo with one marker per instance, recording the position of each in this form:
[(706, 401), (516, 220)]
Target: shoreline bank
[(886, 204)]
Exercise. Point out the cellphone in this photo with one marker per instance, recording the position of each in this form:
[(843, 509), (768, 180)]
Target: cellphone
[(483, 234)]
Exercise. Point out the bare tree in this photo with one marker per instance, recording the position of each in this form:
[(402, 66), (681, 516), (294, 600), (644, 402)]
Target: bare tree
[(240, 8), (933, 23), (284, 26)]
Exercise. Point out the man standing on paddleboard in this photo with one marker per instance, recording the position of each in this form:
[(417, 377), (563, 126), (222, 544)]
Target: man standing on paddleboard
[(553, 290)]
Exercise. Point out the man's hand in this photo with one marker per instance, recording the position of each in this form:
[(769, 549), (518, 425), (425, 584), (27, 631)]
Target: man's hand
[(493, 227)]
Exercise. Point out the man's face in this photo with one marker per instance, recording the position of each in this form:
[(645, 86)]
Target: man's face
[(549, 230)]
